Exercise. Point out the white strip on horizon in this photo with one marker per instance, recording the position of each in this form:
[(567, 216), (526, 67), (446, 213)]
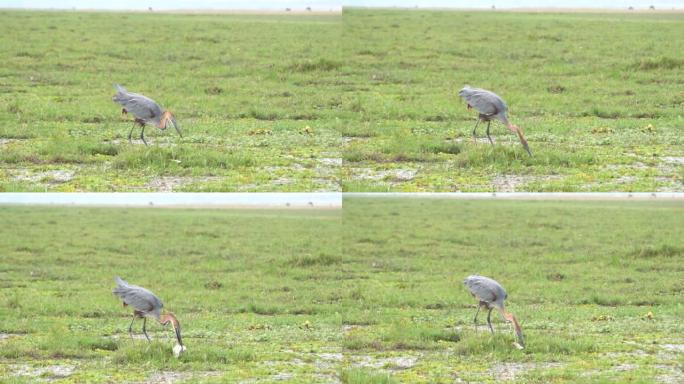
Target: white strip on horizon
[(146, 199)]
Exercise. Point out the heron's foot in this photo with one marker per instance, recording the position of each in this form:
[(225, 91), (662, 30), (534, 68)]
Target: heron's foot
[(490, 140), (124, 112)]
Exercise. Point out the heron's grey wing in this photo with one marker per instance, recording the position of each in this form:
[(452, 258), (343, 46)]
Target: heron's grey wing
[(486, 102), (482, 288), (138, 297), (141, 106)]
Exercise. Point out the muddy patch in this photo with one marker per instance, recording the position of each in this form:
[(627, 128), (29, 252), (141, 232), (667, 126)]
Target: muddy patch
[(326, 185), (327, 378), (157, 142), (678, 348), (394, 363), (288, 168), (331, 356), (331, 161), (635, 353), (8, 141), (134, 336), (391, 175), (471, 140), (283, 181), (624, 367), (48, 373), (510, 371), (168, 377), (169, 183), (670, 351), (512, 183), (626, 180), (351, 139), (51, 177), (673, 160), (672, 375), (5, 336)]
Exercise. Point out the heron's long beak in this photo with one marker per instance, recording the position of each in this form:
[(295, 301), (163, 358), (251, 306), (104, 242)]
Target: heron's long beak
[(175, 125), (178, 334), (518, 331)]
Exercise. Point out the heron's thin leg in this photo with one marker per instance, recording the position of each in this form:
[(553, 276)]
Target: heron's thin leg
[(489, 137), (130, 327), (144, 331), (130, 133), (475, 319), (474, 137), (489, 321), (142, 134)]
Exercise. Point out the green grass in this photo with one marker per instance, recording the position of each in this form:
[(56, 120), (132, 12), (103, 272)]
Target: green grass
[(372, 293), (256, 96), (272, 102), (598, 96)]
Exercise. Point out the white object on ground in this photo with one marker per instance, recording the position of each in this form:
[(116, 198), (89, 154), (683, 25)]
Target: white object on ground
[(178, 349)]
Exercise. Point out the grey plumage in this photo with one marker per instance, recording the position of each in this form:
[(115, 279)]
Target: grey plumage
[(491, 295), (139, 298), (145, 110), (486, 290), (490, 107), (488, 103), (139, 105), (145, 304)]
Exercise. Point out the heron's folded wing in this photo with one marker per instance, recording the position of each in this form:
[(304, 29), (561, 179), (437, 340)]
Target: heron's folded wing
[(138, 297), (141, 106), (481, 289), (487, 103)]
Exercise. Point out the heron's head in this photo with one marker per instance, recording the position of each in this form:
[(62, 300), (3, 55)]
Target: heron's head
[(519, 132), (518, 330), (168, 117), (170, 318)]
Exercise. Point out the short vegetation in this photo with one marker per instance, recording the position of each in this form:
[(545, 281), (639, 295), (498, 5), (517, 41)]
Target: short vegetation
[(372, 294)]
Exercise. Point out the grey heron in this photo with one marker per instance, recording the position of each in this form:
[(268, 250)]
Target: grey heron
[(491, 296), (490, 106), (145, 110), (145, 304)]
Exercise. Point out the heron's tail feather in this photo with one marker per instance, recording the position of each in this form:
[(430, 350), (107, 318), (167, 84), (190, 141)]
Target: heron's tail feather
[(120, 88)]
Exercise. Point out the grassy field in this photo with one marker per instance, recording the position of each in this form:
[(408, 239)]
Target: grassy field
[(370, 294), (256, 95), (599, 96), (277, 103)]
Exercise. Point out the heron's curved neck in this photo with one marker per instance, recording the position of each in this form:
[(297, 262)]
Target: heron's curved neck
[(168, 318), (164, 118)]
